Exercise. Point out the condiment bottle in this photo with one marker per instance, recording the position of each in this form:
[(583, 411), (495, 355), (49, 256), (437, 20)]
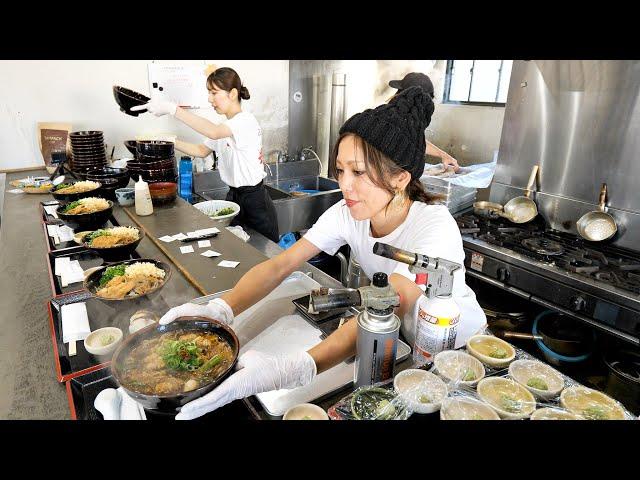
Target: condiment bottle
[(143, 198)]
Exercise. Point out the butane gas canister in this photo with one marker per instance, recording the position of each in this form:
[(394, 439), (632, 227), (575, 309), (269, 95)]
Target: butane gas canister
[(377, 342), (436, 327)]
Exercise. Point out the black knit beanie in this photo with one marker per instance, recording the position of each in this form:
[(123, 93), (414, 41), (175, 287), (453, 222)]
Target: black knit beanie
[(397, 128)]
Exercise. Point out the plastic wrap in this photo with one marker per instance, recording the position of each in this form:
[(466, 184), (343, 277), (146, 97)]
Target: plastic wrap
[(462, 387), (375, 402), (525, 388), (473, 176)]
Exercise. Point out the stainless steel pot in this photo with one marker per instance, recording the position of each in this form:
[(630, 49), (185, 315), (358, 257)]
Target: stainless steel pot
[(522, 209), (597, 225)]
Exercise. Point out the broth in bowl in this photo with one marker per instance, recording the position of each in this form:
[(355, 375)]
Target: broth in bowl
[(175, 362)]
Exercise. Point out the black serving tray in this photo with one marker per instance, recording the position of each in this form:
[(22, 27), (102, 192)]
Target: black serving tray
[(101, 314), (83, 390), (85, 257), (51, 220)]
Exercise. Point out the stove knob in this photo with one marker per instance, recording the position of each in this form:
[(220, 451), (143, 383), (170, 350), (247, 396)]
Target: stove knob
[(503, 274), (578, 303)]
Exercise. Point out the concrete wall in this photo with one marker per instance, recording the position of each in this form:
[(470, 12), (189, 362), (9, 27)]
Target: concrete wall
[(79, 92)]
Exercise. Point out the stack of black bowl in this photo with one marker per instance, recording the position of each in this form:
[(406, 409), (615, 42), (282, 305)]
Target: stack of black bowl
[(111, 179), (132, 147), (88, 152), (155, 162)]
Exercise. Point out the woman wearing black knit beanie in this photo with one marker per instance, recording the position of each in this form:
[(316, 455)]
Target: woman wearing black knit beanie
[(377, 160)]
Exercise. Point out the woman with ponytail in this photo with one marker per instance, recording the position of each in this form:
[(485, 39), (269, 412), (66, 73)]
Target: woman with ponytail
[(238, 144), (377, 160)]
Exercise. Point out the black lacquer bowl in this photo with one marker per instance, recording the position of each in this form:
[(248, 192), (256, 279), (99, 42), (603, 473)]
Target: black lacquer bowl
[(85, 221), (92, 282), (173, 403), (127, 98), (72, 197), (112, 254)]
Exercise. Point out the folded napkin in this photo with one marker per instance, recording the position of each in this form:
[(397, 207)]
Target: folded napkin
[(75, 322)]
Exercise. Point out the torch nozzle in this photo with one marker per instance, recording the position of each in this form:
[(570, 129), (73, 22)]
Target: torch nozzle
[(399, 255)]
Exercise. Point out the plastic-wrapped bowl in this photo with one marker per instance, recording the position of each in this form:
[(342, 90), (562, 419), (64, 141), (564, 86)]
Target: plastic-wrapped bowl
[(507, 397), (549, 413), (459, 367), (466, 408), (537, 377), (591, 404), (210, 207), (422, 391)]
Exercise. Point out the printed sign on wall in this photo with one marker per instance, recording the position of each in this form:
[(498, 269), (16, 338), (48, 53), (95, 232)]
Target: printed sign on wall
[(182, 84)]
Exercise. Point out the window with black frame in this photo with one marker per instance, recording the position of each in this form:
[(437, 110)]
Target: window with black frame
[(477, 82)]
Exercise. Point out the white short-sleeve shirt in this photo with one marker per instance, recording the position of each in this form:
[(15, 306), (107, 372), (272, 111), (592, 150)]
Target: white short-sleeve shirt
[(239, 155), (428, 229)]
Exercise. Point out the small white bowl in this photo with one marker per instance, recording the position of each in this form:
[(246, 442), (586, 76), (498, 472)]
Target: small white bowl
[(466, 408), (507, 397), (95, 341), (421, 390), (554, 414), (455, 365), (523, 371), (484, 346), (305, 411), (591, 404)]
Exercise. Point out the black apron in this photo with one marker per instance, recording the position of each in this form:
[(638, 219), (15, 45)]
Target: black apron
[(256, 210)]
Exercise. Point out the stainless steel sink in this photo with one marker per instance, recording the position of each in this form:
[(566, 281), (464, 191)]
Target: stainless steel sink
[(296, 210), (314, 184), (299, 210), (276, 194)]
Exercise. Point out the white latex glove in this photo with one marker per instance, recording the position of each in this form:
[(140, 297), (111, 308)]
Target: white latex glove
[(118, 405), (158, 105), (257, 372), (216, 309)]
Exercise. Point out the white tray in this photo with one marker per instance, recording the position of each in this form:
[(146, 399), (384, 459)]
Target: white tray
[(273, 325)]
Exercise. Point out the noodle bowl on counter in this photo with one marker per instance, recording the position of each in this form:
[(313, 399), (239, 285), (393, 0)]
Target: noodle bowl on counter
[(132, 280), (78, 187), (86, 205), (112, 237)]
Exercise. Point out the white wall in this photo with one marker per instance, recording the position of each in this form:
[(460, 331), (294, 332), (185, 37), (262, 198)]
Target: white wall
[(79, 92)]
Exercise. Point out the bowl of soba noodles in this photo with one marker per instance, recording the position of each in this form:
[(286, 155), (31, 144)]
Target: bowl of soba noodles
[(127, 280), (115, 243), (88, 213), (68, 192), (165, 366)]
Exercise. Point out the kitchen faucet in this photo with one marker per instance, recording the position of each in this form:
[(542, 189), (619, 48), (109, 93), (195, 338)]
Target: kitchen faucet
[(310, 150)]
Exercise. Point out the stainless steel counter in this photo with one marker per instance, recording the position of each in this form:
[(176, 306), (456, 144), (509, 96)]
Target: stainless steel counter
[(30, 389)]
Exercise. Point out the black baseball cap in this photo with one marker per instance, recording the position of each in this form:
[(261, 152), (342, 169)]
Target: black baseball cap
[(414, 79)]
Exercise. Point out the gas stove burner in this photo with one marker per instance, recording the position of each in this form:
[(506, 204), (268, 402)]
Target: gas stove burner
[(543, 246)]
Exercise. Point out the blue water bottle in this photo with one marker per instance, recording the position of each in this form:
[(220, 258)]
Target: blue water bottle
[(185, 185)]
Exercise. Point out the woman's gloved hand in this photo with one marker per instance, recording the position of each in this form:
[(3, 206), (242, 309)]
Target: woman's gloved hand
[(257, 372), (158, 105), (217, 309)]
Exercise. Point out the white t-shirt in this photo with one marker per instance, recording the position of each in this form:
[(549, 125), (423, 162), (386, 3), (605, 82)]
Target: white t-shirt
[(239, 155), (428, 229)]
